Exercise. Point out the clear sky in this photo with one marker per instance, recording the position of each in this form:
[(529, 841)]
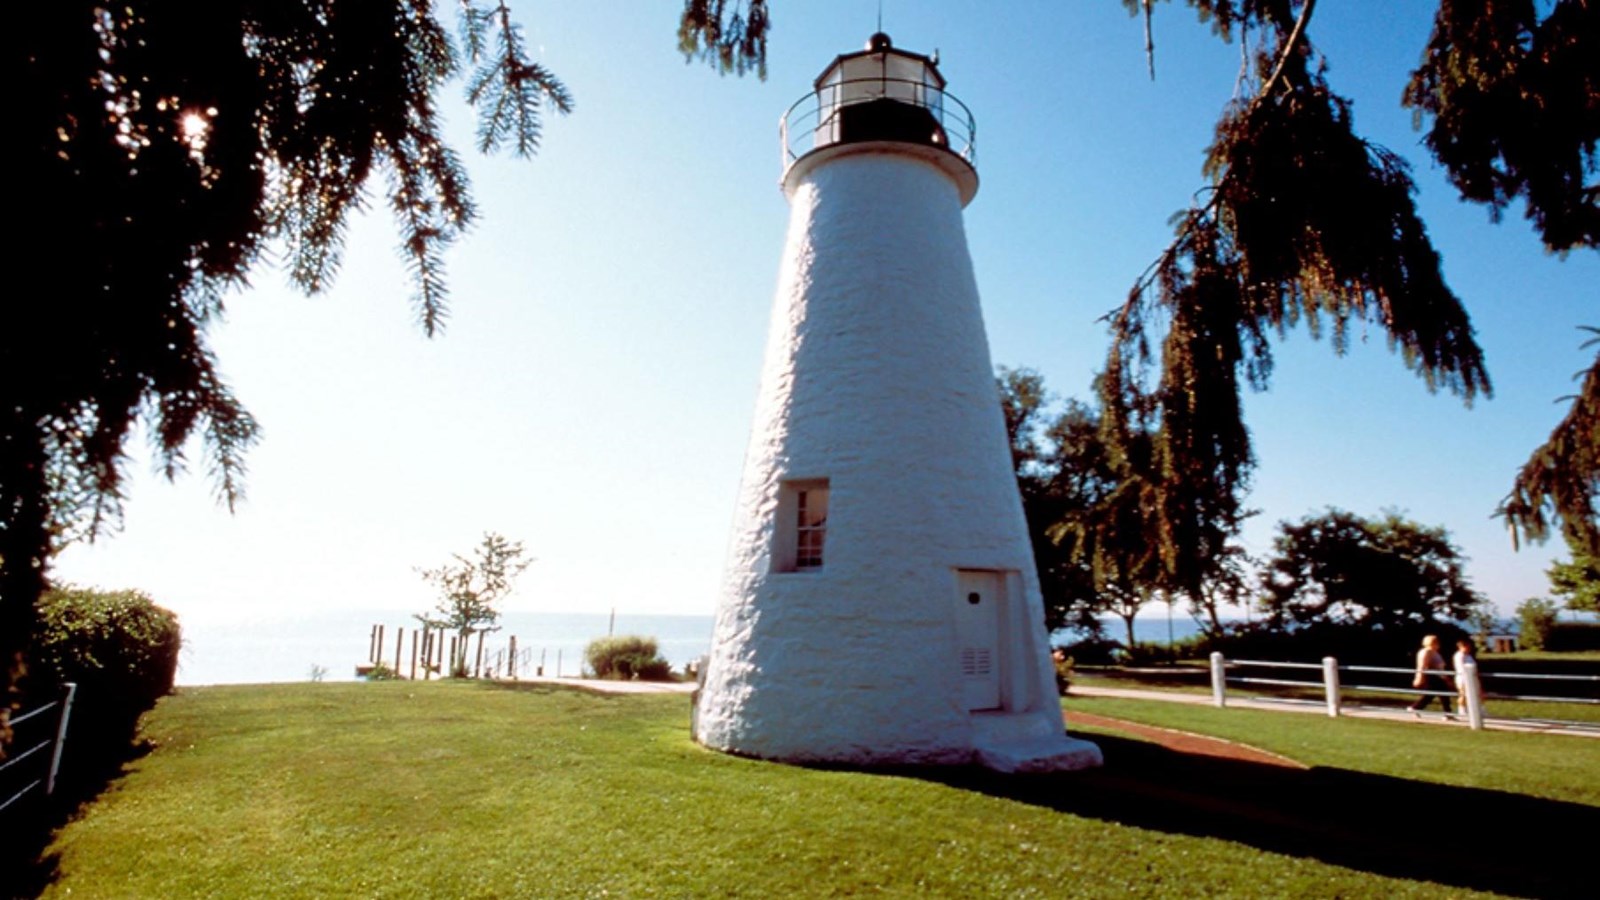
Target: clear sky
[(593, 392)]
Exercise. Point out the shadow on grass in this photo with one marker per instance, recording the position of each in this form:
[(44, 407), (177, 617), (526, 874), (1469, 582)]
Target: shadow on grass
[(1467, 837), (26, 865)]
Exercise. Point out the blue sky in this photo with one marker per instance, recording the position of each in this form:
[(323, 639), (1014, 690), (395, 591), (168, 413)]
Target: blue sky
[(593, 391)]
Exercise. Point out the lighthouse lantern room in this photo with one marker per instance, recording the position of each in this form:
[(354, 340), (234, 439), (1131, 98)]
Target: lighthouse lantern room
[(880, 603)]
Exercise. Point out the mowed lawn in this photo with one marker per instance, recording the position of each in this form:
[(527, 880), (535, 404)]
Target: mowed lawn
[(462, 789)]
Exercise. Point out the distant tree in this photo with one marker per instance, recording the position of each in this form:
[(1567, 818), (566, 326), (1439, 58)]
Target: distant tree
[(1103, 513), (1231, 584), (162, 150), (1067, 584), (470, 588), (1385, 573), (1535, 617), (1089, 511), (1577, 580)]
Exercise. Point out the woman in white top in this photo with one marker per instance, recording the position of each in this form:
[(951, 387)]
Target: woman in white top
[(1458, 662)]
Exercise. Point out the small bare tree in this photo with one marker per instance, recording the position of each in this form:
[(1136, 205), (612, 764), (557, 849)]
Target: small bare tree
[(469, 590)]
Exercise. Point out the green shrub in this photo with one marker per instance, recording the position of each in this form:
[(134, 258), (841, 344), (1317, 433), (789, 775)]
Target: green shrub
[(1095, 651), (122, 651), (1536, 616), (380, 672), (627, 657)]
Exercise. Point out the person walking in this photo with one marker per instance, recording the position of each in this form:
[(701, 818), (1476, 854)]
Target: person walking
[(1430, 677)]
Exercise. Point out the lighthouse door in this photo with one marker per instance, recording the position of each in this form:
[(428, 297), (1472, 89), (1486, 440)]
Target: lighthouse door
[(978, 637)]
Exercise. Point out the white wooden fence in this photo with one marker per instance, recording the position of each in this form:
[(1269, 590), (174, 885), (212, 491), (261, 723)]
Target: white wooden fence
[(1333, 683)]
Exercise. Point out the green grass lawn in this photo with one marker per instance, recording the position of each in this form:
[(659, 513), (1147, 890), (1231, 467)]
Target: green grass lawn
[(460, 789), (1538, 656), (1554, 767)]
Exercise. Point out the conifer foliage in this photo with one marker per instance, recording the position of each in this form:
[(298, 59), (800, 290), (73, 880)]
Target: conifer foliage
[(1305, 222), (163, 148), (1561, 480), (732, 37), (1513, 98)]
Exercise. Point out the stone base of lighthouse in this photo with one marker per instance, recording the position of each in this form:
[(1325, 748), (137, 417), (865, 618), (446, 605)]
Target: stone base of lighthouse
[(808, 680), (880, 605)]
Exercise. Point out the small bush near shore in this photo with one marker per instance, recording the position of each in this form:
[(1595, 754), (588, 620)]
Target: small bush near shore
[(627, 657)]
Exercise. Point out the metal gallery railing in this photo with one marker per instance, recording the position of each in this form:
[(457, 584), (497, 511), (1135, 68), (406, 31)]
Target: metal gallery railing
[(817, 119)]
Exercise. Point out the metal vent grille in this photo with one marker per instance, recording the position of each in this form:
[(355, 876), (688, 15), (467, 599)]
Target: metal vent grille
[(977, 661)]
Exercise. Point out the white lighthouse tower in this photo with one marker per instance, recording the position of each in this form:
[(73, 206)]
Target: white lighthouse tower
[(880, 604)]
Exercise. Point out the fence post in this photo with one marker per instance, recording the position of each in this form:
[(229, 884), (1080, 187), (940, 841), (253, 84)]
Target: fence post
[(558, 662), (1219, 682), (61, 737), (413, 654), (511, 659), (1474, 691), (1330, 684), (399, 648)]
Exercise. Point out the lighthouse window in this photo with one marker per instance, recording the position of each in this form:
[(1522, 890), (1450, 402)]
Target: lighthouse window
[(801, 527), (811, 527)]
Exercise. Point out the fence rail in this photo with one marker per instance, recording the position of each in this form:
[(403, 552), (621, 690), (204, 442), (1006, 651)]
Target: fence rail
[(1468, 681), (24, 763)]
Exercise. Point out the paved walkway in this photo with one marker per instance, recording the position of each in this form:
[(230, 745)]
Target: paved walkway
[(1354, 712), (606, 686)]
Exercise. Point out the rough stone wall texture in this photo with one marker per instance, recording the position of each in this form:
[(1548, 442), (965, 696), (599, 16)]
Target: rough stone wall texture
[(877, 377)]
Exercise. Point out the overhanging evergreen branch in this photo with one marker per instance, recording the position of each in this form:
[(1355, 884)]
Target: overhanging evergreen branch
[(1560, 482), (1303, 221)]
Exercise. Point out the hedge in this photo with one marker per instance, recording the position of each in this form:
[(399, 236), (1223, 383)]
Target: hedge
[(122, 651), (1566, 636)]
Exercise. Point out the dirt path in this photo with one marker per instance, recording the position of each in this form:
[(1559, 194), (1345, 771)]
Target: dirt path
[(1184, 741)]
